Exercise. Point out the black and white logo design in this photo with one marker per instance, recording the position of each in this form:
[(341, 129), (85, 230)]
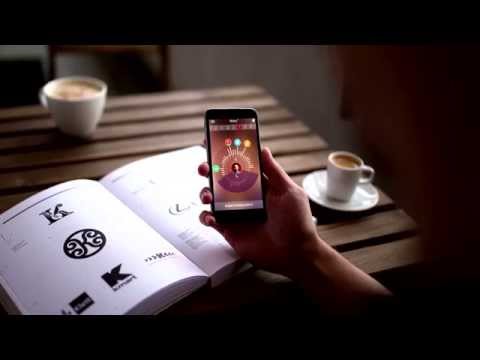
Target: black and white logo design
[(84, 243), (116, 280), (181, 207), (158, 256), (80, 304), (56, 214)]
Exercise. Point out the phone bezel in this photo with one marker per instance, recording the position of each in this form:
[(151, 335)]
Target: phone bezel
[(249, 215)]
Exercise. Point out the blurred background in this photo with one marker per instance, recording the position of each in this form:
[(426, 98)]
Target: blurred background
[(300, 76)]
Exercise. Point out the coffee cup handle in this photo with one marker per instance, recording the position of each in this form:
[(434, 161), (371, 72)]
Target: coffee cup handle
[(367, 175), (42, 98)]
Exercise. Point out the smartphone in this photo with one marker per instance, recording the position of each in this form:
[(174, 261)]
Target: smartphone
[(236, 176)]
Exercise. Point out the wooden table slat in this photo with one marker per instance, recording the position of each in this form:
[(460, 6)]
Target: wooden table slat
[(138, 100), (302, 143), (123, 131), (389, 256), (7, 201), (300, 163), (183, 96), (187, 109), (366, 228), (144, 145), (135, 115)]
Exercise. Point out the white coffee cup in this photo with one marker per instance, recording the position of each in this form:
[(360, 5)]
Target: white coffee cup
[(77, 116), (344, 172)]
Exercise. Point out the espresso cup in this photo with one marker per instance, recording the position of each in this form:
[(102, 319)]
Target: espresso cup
[(76, 103), (344, 172)]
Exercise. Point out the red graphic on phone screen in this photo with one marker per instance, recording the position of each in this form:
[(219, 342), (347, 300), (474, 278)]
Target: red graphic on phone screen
[(228, 142)]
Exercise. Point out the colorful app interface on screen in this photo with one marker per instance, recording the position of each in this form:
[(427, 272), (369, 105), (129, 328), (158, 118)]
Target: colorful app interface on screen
[(235, 164)]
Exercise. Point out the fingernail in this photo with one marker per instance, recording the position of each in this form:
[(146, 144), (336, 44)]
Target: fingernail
[(202, 218)]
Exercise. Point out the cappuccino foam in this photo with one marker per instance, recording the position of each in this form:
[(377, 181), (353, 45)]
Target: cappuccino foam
[(74, 90)]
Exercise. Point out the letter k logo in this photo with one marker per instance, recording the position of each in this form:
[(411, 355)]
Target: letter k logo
[(114, 276)]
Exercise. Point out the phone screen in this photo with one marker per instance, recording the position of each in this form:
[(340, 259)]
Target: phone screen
[(235, 163)]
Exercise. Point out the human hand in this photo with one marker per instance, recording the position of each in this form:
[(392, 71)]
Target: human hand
[(287, 239)]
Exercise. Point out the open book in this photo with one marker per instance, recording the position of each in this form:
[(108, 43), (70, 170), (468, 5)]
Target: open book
[(131, 243)]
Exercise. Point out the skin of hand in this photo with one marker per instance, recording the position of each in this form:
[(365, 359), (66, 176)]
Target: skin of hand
[(269, 245), (288, 243)]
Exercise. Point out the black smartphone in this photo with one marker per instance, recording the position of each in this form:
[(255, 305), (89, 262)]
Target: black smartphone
[(236, 177)]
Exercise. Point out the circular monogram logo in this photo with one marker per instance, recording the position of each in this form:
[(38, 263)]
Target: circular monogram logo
[(84, 243)]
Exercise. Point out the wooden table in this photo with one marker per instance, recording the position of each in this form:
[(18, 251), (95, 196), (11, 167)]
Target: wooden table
[(34, 156)]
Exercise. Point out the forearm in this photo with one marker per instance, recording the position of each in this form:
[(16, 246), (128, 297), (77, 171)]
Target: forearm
[(334, 282)]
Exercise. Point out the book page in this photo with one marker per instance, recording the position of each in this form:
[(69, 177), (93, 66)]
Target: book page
[(76, 249), (164, 191)]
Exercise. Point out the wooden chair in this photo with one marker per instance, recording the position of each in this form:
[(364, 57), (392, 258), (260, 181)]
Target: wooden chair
[(161, 50)]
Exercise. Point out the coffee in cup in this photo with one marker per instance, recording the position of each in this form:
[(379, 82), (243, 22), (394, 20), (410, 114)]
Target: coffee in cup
[(74, 90), (344, 172), (76, 103), (346, 161)]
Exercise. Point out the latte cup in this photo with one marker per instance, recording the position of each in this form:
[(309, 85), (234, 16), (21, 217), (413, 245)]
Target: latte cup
[(345, 171), (77, 115)]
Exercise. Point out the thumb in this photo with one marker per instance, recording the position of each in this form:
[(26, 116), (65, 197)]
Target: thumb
[(278, 179)]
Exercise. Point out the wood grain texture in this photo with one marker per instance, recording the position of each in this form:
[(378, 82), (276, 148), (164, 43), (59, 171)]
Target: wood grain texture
[(183, 96), (389, 256), (366, 227), (138, 100), (143, 145), (7, 201), (145, 114), (303, 144), (53, 138), (187, 109), (48, 176), (304, 162)]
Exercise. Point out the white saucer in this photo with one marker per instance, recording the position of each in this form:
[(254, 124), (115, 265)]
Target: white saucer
[(365, 196)]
